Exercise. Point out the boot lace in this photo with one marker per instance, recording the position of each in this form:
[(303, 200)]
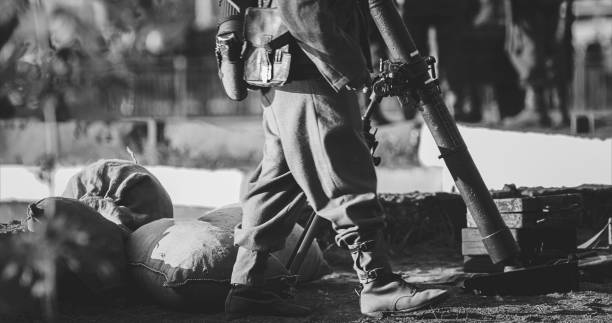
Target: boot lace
[(385, 276)]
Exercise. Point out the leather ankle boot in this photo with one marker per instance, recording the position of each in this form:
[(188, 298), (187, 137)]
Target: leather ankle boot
[(250, 296), (382, 292), (245, 300)]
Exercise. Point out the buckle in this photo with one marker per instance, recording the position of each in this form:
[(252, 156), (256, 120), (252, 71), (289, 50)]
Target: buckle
[(372, 275), (363, 247)]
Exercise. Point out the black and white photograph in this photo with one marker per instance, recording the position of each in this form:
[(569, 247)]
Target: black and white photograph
[(305, 161)]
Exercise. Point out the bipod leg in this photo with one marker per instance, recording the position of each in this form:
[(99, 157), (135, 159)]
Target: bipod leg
[(370, 137), (301, 249), (300, 240)]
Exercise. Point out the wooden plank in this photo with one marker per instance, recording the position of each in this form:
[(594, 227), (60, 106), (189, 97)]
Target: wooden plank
[(473, 248), (472, 244), (560, 218), (516, 205), (512, 220), (531, 241), (539, 203)]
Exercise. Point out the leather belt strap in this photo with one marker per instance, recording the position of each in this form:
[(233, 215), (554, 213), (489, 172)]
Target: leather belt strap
[(280, 41)]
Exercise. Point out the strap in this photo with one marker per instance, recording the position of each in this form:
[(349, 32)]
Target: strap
[(231, 3), (369, 276), (228, 11), (264, 3), (363, 247), (280, 41)]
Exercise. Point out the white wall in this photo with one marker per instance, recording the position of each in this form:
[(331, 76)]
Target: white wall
[(198, 187), (423, 179), (528, 159), (21, 183), (503, 157), (190, 187)]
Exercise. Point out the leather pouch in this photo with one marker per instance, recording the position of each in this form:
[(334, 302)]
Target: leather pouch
[(267, 59)]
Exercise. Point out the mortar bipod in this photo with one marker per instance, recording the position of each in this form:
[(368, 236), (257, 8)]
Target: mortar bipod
[(391, 80)]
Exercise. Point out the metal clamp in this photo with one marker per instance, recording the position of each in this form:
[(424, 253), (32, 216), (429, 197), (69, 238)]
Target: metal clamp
[(363, 247)]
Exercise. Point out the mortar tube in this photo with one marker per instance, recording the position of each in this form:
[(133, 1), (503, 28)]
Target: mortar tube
[(496, 236)]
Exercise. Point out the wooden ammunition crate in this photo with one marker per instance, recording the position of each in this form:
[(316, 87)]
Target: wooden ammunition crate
[(544, 228), (532, 241), (543, 211)]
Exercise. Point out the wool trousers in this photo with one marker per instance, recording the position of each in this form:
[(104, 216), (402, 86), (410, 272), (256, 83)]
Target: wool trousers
[(314, 151)]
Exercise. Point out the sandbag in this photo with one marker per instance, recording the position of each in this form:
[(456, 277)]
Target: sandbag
[(314, 265), (122, 191), (187, 265), (89, 248)]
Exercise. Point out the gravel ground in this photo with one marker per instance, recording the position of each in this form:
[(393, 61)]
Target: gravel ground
[(333, 300)]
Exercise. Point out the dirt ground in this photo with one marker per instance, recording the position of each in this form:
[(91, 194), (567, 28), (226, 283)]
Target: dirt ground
[(333, 300)]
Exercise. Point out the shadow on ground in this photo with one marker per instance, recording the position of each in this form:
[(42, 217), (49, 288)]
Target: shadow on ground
[(333, 299)]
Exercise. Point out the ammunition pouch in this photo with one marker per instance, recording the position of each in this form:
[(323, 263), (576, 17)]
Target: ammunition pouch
[(267, 58), (228, 51), (230, 67)]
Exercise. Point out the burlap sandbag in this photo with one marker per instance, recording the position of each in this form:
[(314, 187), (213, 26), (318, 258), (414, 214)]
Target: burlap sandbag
[(122, 191), (187, 265), (314, 265)]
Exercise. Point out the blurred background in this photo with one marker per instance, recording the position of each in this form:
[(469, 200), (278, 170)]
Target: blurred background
[(82, 80)]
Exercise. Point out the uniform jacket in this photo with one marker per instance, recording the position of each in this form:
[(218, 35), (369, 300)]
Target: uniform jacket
[(333, 35)]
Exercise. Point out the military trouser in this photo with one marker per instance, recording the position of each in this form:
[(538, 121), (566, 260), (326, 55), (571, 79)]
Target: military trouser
[(314, 150)]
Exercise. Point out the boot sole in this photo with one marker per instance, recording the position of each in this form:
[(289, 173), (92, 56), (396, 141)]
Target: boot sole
[(433, 301)]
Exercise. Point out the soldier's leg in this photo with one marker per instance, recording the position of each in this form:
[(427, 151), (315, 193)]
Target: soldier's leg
[(313, 143), (271, 204), (321, 137), (320, 134)]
